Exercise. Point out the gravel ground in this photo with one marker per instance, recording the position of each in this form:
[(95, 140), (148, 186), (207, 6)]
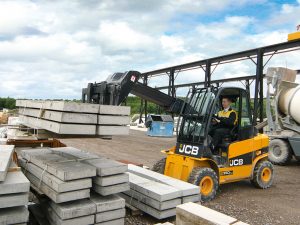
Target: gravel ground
[(278, 205)]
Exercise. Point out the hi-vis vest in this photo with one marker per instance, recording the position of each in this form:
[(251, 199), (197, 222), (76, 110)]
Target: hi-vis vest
[(225, 114)]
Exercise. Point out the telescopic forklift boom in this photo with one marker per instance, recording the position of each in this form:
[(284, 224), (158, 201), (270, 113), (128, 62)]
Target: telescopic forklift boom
[(118, 86)]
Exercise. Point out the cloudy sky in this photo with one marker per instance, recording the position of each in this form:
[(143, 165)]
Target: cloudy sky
[(51, 49)]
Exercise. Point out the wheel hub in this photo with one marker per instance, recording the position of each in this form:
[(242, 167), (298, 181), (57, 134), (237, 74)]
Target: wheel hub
[(206, 185), (277, 151), (266, 174)]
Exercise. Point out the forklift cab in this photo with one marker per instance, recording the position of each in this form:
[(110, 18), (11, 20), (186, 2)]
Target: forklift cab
[(196, 121)]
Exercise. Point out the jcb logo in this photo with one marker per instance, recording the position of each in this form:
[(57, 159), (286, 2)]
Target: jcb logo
[(236, 162), (188, 149)]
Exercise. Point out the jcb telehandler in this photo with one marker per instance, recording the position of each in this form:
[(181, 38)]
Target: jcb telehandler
[(242, 155)]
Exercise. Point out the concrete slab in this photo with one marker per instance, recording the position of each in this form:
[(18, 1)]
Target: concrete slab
[(152, 202), (6, 152), (107, 203), (158, 191), (110, 190), (59, 106), (15, 182), (55, 220), (113, 120), (186, 188), (58, 128), (148, 209), (62, 167), (62, 117), (110, 215), (73, 209), (53, 182), (106, 167), (74, 152), (191, 198), (111, 180), (191, 213), (14, 215), (120, 221), (11, 200), (114, 110), (112, 130), (55, 196), (29, 153)]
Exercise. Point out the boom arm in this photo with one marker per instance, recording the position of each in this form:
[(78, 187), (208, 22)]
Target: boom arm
[(117, 87)]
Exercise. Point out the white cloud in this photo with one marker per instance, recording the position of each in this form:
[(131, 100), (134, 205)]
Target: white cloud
[(51, 49)]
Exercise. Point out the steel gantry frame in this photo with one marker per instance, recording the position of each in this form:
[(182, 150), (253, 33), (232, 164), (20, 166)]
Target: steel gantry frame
[(209, 65)]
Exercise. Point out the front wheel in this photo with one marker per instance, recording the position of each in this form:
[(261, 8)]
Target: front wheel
[(207, 180), (263, 175), (159, 166)]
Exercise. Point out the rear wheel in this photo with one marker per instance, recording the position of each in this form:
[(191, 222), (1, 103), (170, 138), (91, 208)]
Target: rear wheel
[(159, 166), (263, 175), (207, 180), (279, 152)]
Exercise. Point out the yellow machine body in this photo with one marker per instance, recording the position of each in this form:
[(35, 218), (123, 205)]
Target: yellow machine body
[(294, 36), (251, 150)]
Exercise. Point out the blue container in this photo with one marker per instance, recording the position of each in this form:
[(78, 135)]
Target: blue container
[(160, 125)]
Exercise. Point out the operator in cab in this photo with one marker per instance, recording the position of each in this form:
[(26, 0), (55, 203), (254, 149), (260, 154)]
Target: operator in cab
[(223, 122)]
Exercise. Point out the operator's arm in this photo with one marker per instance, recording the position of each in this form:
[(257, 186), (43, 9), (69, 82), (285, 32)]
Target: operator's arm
[(228, 121)]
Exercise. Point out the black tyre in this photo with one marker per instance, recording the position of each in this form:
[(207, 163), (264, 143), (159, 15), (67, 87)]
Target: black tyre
[(263, 175), (279, 152), (159, 166), (207, 180)]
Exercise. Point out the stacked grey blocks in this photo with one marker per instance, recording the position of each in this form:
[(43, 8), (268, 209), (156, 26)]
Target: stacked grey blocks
[(157, 194), (111, 177), (95, 210), (14, 190), (71, 118), (66, 176)]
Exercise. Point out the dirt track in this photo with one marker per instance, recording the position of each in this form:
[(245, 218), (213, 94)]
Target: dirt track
[(278, 205)]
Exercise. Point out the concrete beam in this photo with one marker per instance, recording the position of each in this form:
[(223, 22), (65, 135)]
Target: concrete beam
[(15, 182), (158, 191), (73, 209), (14, 215), (152, 202), (59, 106), (53, 182), (12, 200), (111, 180), (120, 221), (55, 220), (113, 120), (148, 209), (55, 196), (62, 117), (110, 215), (114, 110), (186, 189), (107, 203), (58, 128), (191, 213), (110, 190), (6, 152)]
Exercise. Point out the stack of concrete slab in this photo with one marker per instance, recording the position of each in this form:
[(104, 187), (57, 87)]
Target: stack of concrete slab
[(109, 210), (14, 190), (74, 118), (157, 194), (58, 177), (111, 175)]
